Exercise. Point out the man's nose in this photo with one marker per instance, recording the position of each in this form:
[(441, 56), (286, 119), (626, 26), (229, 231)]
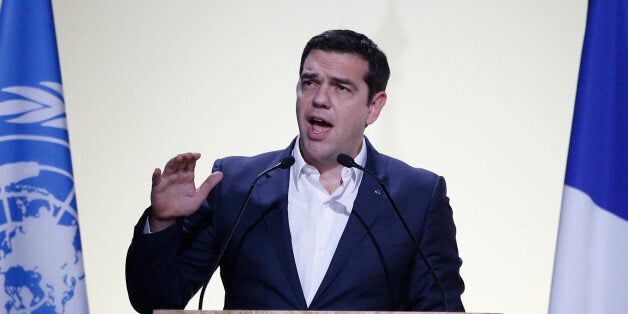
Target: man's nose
[(321, 99)]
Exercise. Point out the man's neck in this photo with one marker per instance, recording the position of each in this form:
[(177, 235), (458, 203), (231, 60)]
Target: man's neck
[(331, 179), (330, 170)]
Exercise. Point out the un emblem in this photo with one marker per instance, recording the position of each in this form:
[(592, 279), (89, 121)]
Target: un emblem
[(41, 262)]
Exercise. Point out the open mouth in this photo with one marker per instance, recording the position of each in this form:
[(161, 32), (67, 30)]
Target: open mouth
[(319, 125)]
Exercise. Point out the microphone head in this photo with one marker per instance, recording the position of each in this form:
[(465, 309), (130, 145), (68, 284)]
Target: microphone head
[(345, 160), (286, 162)]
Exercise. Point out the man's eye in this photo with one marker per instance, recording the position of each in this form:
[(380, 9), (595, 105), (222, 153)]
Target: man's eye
[(342, 88)]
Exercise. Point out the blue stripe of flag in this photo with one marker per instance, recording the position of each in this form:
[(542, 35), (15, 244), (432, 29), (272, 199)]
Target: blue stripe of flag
[(598, 151)]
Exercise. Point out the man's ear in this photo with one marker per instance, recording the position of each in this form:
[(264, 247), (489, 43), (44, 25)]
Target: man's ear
[(375, 107)]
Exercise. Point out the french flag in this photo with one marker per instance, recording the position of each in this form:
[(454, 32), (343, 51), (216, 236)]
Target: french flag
[(591, 264)]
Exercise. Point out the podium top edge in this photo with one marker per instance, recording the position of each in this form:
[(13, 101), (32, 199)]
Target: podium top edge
[(296, 312)]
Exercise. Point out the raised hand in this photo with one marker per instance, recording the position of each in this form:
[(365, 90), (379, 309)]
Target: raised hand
[(174, 194)]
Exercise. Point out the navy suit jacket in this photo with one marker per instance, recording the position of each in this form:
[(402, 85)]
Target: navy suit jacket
[(376, 265)]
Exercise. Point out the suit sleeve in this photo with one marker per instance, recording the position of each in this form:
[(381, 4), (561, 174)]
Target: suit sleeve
[(165, 269), (438, 241)]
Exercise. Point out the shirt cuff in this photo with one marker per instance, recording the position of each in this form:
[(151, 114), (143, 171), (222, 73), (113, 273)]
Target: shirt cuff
[(147, 226)]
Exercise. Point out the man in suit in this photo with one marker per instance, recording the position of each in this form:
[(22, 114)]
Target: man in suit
[(316, 236)]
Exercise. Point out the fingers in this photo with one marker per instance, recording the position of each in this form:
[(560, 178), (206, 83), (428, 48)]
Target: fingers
[(156, 176), (190, 165), (181, 162), (171, 166), (210, 183)]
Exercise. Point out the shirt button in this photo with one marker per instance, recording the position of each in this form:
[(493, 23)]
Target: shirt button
[(322, 250)]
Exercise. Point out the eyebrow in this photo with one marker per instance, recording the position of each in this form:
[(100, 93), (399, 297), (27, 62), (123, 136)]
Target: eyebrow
[(336, 80), (309, 75), (344, 81)]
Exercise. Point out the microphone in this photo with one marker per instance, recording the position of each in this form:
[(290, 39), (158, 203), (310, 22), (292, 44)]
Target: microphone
[(348, 162), (283, 164)]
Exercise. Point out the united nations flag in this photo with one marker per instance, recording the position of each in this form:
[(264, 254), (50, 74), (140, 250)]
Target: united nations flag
[(41, 260)]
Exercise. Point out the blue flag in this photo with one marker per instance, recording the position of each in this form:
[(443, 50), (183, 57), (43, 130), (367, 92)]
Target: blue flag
[(41, 261), (591, 264)]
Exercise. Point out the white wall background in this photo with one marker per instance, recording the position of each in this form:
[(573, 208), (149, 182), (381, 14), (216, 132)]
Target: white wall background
[(481, 92)]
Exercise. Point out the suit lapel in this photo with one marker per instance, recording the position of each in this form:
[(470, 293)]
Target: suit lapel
[(368, 205), (272, 193)]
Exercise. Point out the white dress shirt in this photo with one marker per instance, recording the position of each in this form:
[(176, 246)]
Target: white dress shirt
[(317, 219)]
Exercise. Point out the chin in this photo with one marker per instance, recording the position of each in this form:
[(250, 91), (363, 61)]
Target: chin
[(317, 150)]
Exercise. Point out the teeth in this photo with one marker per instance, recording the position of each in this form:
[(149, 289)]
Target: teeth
[(319, 121)]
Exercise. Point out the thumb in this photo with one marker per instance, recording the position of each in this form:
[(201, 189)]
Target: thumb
[(210, 183)]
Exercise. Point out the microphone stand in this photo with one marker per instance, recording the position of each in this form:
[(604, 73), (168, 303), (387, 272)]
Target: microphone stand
[(348, 162), (283, 164)]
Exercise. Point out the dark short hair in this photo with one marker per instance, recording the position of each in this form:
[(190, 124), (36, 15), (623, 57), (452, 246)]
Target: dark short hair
[(348, 41)]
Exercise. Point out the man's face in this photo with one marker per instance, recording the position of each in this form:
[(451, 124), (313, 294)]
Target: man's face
[(333, 108)]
